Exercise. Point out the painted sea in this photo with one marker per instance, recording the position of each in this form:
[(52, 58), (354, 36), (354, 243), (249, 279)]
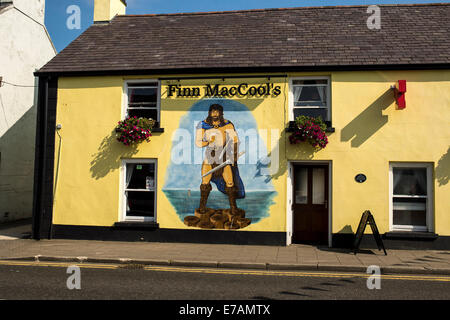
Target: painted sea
[(256, 203)]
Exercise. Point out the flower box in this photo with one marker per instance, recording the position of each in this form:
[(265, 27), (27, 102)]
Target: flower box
[(134, 130)]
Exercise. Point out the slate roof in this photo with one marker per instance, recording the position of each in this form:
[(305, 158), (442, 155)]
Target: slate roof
[(266, 39)]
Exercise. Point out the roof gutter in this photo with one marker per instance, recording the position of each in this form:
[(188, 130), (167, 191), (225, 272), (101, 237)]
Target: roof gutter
[(232, 70)]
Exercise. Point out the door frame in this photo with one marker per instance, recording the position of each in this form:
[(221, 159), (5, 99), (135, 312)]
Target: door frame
[(289, 197)]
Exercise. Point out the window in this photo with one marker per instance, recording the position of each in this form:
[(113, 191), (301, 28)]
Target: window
[(411, 200), (143, 99), (311, 97), (139, 190)]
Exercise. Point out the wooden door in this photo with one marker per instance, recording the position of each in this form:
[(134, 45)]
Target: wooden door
[(310, 204)]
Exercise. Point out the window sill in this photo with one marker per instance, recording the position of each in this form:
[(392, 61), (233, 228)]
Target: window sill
[(137, 225), (412, 235), (157, 130), (292, 128)]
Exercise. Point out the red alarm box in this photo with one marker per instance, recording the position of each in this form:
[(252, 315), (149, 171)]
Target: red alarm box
[(400, 94)]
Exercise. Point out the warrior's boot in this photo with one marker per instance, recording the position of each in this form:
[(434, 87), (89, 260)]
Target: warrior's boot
[(231, 192), (205, 189)]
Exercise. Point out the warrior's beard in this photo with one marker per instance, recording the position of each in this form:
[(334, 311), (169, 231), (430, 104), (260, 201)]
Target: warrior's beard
[(210, 119)]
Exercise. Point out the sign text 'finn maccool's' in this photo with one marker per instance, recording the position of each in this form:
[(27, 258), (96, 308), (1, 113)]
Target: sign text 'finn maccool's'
[(216, 90)]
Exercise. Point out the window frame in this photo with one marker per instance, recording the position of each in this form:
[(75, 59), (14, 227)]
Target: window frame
[(429, 207), (129, 84), (123, 198), (291, 95)]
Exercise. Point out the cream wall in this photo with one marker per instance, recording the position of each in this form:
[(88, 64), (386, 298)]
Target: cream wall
[(370, 132), (22, 35)]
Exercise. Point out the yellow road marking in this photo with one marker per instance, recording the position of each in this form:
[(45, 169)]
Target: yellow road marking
[(298, 274), (227, 271)]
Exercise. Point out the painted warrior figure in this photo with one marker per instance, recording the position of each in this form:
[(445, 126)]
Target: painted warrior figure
[(219, 137)]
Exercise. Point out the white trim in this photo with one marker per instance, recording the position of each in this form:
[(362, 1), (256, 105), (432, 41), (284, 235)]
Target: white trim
[(291, 95), (129, 83), (430, 197), (289, 199), (122, 189)]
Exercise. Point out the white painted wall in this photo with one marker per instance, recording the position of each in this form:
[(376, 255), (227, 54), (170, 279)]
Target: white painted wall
[(35, 9), (25, 47)]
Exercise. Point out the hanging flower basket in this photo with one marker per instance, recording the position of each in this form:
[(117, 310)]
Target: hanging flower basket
[(311, 130), (134, 130)]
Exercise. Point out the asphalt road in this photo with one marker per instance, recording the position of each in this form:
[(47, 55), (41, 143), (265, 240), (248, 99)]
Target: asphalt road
[(25, 280)]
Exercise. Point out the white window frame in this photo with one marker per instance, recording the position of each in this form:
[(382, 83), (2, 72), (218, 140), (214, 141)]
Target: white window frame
[(291, 95), (129, 83), (430, 198), (123, 198)]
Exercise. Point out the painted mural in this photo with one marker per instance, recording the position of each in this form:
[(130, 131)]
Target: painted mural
[(214, 179)]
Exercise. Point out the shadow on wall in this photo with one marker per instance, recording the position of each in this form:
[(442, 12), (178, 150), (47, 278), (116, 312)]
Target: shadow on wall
[(368, 122), (109, 155), (346, 229), (303, 153), (443, 169), (17, 146), (299, 152)]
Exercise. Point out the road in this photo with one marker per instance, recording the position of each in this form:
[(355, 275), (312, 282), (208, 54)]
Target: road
[(42, 281)]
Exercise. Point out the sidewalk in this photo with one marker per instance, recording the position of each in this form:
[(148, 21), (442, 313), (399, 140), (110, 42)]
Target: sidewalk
[(294, 257)]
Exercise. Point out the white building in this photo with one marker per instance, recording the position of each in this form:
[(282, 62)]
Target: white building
[(25, 46)]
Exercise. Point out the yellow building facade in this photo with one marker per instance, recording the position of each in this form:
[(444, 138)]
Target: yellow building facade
[(269, 126), (367, 134)]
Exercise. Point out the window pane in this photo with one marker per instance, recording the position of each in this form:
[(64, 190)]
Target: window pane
[(140, 204), (410, 181), (142, 95), (140, 176), (301, 185), (312, 112), (408, 211), (144, 113), (318, 195), (310, 96)]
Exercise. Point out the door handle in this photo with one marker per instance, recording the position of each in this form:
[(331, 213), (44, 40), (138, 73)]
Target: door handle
[(326, 204)]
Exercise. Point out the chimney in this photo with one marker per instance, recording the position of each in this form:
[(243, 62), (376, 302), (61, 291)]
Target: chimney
[(106, 10)]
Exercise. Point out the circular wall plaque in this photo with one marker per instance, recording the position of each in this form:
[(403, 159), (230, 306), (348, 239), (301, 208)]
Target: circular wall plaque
[(360, 178)]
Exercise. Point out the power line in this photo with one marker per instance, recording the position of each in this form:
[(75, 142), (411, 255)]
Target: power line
[(15, 85)]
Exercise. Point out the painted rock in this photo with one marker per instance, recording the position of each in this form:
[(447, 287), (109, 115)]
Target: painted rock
[(205, 225), (230, 226), (191, 221), (218, 220)]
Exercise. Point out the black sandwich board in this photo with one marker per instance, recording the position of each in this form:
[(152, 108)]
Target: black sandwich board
[(367, 218)]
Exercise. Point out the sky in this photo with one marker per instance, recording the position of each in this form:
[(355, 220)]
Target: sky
[(57, 14)]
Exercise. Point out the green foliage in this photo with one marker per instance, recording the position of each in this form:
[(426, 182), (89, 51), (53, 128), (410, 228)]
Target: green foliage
[(305, 120)]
